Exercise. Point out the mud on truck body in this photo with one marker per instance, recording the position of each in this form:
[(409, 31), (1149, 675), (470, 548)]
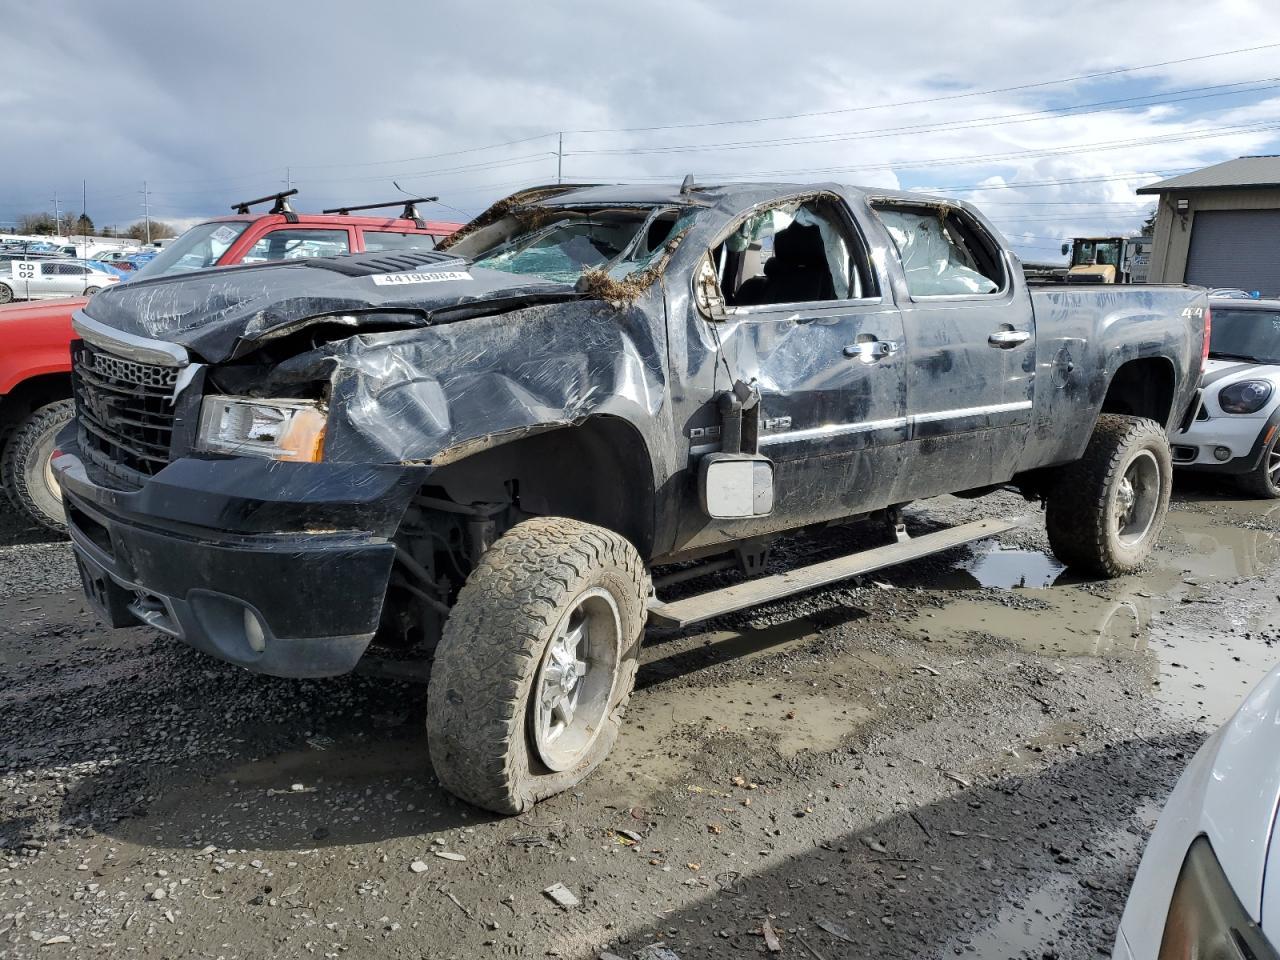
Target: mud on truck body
[(481, 452)]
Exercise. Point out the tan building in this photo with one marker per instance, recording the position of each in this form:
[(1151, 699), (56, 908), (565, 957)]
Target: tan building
[(1220, 226)]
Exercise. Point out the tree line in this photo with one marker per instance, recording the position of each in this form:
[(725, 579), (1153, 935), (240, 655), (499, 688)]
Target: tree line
[(44, 225)]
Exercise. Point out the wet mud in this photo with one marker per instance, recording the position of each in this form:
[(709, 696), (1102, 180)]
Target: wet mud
[(960, 756)]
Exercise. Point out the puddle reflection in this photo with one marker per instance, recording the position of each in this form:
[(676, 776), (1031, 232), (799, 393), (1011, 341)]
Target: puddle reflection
[(1204, 638)]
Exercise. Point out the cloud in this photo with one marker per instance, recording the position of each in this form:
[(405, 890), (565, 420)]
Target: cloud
[(214, 102)]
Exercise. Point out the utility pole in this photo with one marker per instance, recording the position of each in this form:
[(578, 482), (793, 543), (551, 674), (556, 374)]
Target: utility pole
[(288, 178), (84, 214), (57, 216), (146, 209), (560, 159)]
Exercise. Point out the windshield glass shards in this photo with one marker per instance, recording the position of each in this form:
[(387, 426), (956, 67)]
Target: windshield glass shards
[(563, 244)]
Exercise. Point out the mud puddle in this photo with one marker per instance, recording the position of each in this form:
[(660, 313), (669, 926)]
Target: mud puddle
[(1201, 650)]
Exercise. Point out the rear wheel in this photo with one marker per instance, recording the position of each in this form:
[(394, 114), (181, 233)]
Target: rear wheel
[(536, 664), (1106, 510), (6, 293), (90, 291), (1264, 480), (27, 465)]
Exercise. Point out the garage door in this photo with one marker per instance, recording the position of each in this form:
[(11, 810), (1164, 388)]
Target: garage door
[(1236, 248)]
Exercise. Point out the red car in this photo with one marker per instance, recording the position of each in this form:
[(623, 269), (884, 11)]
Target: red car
[(35, 338)]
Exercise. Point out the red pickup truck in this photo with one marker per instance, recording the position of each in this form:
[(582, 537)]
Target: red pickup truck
[(35, 338)]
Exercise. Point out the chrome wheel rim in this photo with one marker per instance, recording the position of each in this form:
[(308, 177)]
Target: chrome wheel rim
[(1138, 498), (575, 681), (51, 479), (1273, 466)]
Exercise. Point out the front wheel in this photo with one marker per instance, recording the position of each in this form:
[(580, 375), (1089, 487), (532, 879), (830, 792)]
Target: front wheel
[(27, 464), (1106, 510), (6, 293), (536, 664), (1263, 481)]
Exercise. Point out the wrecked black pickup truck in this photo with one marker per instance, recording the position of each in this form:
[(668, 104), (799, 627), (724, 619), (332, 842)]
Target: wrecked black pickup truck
[(481, 452)]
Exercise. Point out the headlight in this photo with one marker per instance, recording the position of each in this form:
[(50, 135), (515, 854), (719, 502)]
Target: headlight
[(278, 429), (1247, 396), (1206, 920)]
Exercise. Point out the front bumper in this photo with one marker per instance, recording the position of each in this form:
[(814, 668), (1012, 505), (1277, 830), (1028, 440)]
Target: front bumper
[(280, 568), (1243, 436)]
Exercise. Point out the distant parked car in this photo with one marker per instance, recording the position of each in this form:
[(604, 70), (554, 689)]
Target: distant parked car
[(8, 256), (53, 278), (1231, 293), (1236, 431), (1209, 883), (120, 259), (137, 261)]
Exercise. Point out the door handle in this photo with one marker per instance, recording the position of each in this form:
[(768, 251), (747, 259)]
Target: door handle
[(1006, 339), (871, 350)]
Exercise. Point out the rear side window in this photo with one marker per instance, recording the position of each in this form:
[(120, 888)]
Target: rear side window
[(376, 241), (297, 243), (943, 252)]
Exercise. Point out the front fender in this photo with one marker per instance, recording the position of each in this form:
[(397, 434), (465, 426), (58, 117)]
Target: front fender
[(442, 393)]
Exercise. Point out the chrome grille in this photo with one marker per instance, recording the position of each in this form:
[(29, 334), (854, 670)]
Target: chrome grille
[(130, 371), (125, 411)]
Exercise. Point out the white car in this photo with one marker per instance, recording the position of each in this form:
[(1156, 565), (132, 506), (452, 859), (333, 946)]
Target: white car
[(1235, 430), (52, 278), (1209, 882)]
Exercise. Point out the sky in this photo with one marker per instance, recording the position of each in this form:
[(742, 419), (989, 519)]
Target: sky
[(213, 103)]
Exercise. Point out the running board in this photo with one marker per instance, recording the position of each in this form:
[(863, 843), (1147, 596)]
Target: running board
[(704, 606)]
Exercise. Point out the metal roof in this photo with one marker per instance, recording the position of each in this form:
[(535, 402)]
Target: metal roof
[(1242, 173)]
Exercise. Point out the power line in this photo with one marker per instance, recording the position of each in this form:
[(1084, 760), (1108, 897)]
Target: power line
[(1259, 126), (972, 123), (751, 120), (935, 99), (1023, 184)]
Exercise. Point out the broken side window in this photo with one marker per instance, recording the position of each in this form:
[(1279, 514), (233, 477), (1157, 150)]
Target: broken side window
[(941, 254), (797, 252)]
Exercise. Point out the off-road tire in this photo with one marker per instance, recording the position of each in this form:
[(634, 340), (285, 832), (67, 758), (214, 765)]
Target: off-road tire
[(1082, 509), (6, 293), (479, 699), (24, 461), (1260, 482)]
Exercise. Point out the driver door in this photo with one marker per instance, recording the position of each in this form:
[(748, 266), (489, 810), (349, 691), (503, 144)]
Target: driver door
[(808, 320)]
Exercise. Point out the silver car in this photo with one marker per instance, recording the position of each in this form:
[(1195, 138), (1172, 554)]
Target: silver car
[(48, 279)]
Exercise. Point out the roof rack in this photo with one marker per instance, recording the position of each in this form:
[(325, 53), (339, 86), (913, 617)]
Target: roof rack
[(281, 204), (410, 211)]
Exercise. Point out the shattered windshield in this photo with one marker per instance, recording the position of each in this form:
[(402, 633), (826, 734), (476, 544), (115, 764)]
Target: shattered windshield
[(568, 243)]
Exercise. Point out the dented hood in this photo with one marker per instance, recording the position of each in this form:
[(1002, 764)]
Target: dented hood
[(217, 313)]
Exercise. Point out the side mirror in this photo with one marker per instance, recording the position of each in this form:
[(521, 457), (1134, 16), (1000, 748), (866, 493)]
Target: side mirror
[(1066, 249), (706, 291), (735, 485)]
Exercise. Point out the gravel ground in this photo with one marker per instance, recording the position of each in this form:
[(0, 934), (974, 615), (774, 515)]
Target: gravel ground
[(960, 756)]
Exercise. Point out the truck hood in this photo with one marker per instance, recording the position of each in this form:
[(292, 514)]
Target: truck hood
[(219, 314)]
